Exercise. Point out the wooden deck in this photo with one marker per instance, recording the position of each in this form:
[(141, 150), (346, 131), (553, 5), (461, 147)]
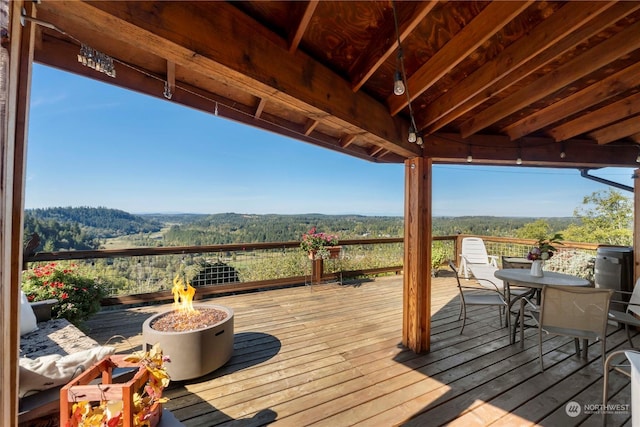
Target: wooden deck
[(331, 355)]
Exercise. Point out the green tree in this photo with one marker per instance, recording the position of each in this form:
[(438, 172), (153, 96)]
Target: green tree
[(539, 229), (605, 217)]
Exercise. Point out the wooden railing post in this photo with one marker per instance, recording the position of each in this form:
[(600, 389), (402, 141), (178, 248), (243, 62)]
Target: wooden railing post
[(457, 250), (317, 269)]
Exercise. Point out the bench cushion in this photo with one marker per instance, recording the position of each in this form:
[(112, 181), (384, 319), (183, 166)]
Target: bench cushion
[(54, 370)]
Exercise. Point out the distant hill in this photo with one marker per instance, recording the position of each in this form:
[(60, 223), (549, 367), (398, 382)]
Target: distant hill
[(100, 222)]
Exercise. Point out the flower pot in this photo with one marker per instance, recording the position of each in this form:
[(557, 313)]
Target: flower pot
[(334, 253), (536, 268)]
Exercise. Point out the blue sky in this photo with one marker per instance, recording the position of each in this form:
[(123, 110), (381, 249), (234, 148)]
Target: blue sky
[(93, 144)]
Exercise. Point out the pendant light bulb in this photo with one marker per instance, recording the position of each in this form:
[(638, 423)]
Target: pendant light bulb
[(469, 158), (412, 134), (398, 84), (419, 140), (563, 155), (518, 161), (638, 159)]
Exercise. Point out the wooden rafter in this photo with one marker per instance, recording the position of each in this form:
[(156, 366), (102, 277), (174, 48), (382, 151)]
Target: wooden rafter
[(259, 108), (617, 131), (592, 95), (610, 16), (484, 26), (171, 76), (310, 126), (346, 140), (302, 25), (375, 151), (544, 36), (596, 119), (600, 56), (385, 43)]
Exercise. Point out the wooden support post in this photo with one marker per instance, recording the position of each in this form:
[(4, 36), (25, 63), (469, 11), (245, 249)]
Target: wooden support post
[(416, 327), (636, 225), (15, 82)]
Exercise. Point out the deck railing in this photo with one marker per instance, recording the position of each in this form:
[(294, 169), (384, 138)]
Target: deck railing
[(138, 275)]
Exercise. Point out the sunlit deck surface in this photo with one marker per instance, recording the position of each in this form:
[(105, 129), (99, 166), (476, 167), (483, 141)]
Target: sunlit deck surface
[(331, 355)]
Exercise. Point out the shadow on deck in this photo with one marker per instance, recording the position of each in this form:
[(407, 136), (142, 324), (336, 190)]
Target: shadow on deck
[(332, 355)]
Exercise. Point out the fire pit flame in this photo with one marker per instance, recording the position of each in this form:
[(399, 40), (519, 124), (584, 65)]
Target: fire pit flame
[(183, 296)]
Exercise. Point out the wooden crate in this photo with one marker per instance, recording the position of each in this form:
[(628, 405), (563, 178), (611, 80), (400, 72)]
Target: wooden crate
[(85, 388)]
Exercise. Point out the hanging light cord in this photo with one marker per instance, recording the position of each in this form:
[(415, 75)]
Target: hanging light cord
[(402, 69)]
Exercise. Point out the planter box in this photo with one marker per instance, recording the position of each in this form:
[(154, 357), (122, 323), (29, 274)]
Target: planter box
[(85, 387), (334, 252)]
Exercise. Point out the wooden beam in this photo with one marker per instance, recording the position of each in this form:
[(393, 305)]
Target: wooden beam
[(261, 63), (416, 312), (598, 118), (385, 43), (607, 88), (449, 148), (559, 25), (601, 55), (302, 25), (609, 17), (491, 20), (620, 130)]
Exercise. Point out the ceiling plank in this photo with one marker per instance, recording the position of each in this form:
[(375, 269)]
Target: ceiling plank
[(491, 20), (261, 64), (596, 119), (604, 53), (561, 24), (617, 131), (302, 25), (609, 17), (592, 95), (385, 43)]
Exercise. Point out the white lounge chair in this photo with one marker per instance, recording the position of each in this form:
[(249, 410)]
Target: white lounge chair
[(474, 254)]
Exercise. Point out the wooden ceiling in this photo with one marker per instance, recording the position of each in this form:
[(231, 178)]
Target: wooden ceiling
[(495, 80)]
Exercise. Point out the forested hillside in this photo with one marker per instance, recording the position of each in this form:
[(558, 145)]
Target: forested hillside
[(86, 228), (100, 222)]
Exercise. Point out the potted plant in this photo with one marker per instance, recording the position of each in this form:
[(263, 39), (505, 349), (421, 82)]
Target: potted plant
[(543, 250), (320, 245)]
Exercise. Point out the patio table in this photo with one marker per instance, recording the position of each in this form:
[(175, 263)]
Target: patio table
[(523, 277)]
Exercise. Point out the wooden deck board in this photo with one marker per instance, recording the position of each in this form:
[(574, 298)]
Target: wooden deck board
[(331, 355)]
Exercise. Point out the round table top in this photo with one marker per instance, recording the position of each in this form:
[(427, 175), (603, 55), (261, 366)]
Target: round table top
[(523, 277)]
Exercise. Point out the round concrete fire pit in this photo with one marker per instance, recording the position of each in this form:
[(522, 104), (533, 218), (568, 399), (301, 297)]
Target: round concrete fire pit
[(193, 353)]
